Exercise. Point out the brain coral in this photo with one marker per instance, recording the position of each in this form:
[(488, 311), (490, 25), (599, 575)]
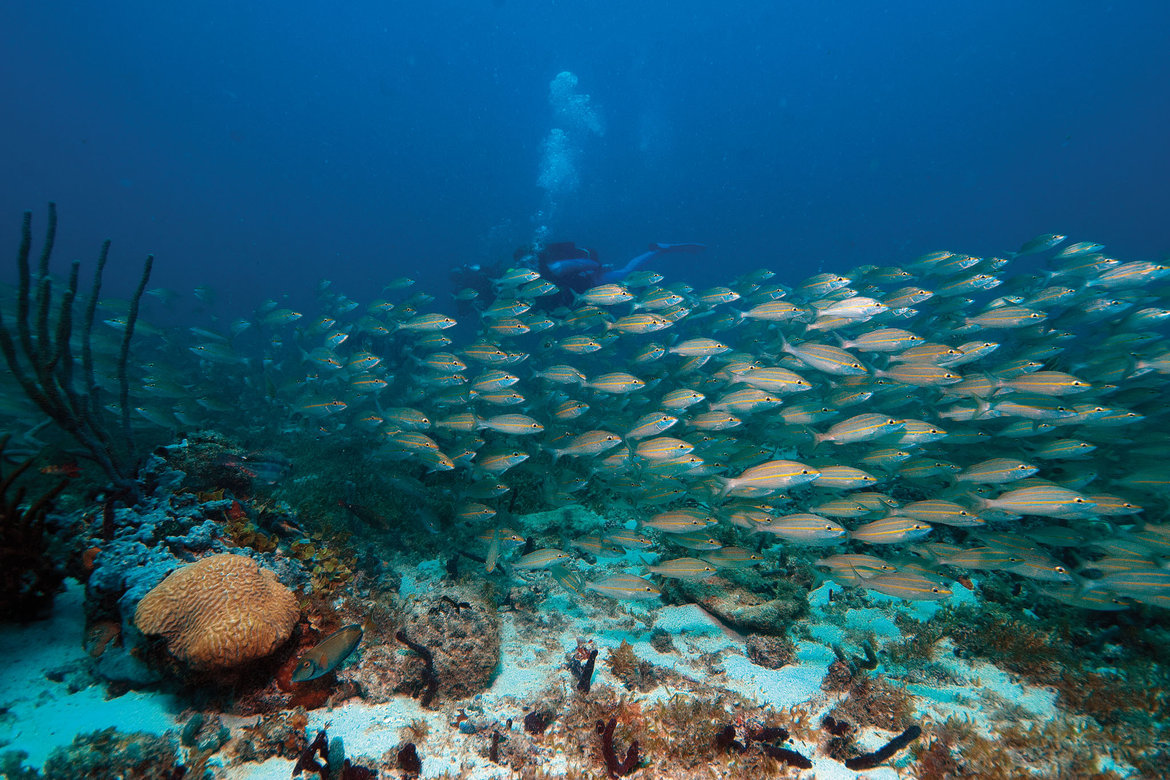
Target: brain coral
[(219, 612)]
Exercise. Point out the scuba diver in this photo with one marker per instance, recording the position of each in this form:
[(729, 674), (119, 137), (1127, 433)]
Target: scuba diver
[(573, 268)]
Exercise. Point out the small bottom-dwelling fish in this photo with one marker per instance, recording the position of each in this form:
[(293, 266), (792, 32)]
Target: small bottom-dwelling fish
[(328, 654)]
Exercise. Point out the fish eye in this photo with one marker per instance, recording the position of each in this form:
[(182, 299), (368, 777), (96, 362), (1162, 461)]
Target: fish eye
[(1078, 500), (934, 590)]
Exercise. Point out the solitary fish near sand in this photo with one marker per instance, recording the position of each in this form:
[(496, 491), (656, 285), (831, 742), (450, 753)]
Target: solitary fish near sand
[(329, 654)]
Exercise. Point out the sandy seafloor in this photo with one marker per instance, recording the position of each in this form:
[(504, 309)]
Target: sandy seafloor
[(41, 714)]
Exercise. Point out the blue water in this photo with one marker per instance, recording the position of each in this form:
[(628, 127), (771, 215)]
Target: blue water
[(260, 147)]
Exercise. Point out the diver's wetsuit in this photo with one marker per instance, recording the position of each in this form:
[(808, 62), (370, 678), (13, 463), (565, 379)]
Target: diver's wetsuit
[(570, 267), (575, 268)]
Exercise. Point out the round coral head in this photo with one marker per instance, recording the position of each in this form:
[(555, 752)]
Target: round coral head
[(219, 612)]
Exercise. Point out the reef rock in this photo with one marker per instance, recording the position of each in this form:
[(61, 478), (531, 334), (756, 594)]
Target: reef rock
[(111, 753), (219, 612), (462, 631), (742, 609)]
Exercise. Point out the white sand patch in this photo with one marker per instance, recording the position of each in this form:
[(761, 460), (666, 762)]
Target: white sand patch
[(985, 696), (525, 669), (42, 714), (876, 620), (368, 731), (272, 769)]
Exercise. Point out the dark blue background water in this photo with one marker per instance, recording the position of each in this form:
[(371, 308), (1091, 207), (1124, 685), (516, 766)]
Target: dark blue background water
[(258, 147)]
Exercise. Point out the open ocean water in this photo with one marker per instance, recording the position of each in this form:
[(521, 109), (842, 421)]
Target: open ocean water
[(514, 389)]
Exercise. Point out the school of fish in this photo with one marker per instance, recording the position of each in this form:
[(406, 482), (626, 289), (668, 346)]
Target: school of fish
[(913, 424)]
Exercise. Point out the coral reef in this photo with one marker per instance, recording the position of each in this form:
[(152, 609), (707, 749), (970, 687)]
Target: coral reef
[(409, 761), (660, 640), (464, 642), (764, 739), (430, 680), (138, 546), (614, 766), (886, 751), (744, 609), (204, 734), (682, 730), (415, 731), (1123, 688), (279, 734), (770, 652), (12, 766), (110, 753), (537, 721), (581, 663), (957, 749), (855, 663), (841, 733), (635, 674), (220, 612), (870, 701)]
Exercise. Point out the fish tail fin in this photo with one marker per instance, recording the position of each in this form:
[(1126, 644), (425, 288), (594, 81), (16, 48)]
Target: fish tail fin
[(1130, 366), (1086, 586)]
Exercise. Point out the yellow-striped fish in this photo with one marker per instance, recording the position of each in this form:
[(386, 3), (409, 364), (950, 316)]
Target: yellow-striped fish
[(683, 569), (542, 559), (770, 477), (907, 585), (625, 586), (805, 529), (678, 521), (891, 530)]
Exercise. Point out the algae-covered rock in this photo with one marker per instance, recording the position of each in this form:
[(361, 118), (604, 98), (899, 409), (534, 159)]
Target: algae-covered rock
[(770, 612), (461, 630), (110, 753)]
